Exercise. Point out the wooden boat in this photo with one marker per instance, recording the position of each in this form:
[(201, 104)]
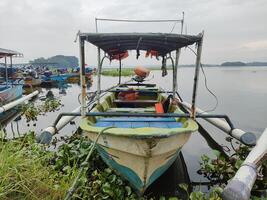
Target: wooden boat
[(9, 89), (141, 149), (137, 139), (31, 78), (32, 81), (137, 130), (9, 93)]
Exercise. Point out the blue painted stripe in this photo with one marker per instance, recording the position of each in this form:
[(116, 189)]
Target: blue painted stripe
[(158, 172), (125, 172)]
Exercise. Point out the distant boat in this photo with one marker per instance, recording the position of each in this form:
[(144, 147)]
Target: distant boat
[(10, 92), (31, 78), (9, 89)]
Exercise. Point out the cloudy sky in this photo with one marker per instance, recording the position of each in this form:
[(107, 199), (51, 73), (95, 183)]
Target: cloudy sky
[(234, 29)]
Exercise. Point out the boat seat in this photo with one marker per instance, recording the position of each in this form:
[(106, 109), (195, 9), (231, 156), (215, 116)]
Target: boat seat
[(138, 101), (138, 122), (132, 110)]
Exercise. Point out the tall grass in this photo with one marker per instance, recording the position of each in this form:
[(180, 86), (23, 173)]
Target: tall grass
[(115, 72), (25, 173)]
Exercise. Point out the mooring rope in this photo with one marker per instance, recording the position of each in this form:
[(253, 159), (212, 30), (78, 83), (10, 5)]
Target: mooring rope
[(74, 185), (206, 85)]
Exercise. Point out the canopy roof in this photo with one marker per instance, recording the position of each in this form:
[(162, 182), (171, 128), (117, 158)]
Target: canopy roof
[(6, 52), (163, 43)]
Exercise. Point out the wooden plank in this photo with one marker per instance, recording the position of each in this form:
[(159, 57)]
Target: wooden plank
[(135, 101)]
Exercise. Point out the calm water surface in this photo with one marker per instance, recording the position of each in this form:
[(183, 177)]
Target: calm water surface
[(242, 95)]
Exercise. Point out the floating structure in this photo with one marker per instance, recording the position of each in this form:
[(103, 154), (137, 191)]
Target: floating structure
[(138, 128)]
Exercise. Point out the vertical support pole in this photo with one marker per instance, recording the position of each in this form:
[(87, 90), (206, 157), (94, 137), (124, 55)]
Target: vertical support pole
[(120, 72), (11, 68), (99, 68), (96, 25), (6, 71), (82, 77), (98, 75), (198, 60), (182, 23), (174, 73)]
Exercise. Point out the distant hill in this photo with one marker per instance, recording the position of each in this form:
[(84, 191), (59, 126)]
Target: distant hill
[(256, 64), (61, 60), (233, 64), (241, 64)]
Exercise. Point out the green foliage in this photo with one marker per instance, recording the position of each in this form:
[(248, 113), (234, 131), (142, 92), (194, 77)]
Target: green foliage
[(31, 111), (99, 181), (115, 72), (50, 105), (221, 169), (214, 194), (24, 172)]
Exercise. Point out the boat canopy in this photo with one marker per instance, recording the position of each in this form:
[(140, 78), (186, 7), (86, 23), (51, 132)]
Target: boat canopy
[(6, 53), (163, 43)]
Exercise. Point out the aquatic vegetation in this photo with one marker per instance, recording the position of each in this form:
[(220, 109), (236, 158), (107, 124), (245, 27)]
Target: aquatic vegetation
[(214, 194), (221, 169), (31, 111), (115, 72), (50, 105)]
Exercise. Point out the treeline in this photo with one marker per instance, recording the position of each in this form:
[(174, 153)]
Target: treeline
[(58, 61), (238, 63)]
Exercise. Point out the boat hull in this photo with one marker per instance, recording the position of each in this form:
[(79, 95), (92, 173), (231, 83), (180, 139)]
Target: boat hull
[(32, 82), (10, 93), (139, 160)]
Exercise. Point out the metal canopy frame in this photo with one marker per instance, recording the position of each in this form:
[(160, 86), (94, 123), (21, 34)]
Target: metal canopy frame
[(83, 38), (4, 53)]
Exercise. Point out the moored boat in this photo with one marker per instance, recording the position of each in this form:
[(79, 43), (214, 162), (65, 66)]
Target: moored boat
[(9, 89), (138, 130), (141, 149), (9, 93)]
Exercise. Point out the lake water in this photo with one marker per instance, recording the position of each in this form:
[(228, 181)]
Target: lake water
[(242, 95)]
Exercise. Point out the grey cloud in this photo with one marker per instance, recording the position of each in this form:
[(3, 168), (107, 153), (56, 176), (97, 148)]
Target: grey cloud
[(45, 28)]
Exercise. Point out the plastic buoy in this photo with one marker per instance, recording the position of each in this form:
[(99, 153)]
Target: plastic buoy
[(141, 71)]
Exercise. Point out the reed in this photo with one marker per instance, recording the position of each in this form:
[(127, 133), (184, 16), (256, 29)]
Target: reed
[(25, 174), (115, 72)]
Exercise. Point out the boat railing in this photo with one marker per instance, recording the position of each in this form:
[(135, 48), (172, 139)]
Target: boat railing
[(167, 115)]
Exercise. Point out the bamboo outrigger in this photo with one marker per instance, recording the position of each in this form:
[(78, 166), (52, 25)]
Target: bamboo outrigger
[(130, 135)]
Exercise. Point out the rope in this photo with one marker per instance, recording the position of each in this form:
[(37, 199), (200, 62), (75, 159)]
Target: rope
[(206, 85), (74, 185)]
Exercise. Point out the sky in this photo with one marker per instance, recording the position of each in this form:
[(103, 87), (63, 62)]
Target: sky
[(235, 30)]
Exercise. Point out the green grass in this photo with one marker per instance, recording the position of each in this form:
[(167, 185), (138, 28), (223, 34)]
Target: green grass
[(25, 173), (115, 72)]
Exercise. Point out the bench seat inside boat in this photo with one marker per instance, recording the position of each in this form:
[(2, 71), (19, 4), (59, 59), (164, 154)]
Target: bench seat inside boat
[(139, 101), (132, 110), (138, 122)]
